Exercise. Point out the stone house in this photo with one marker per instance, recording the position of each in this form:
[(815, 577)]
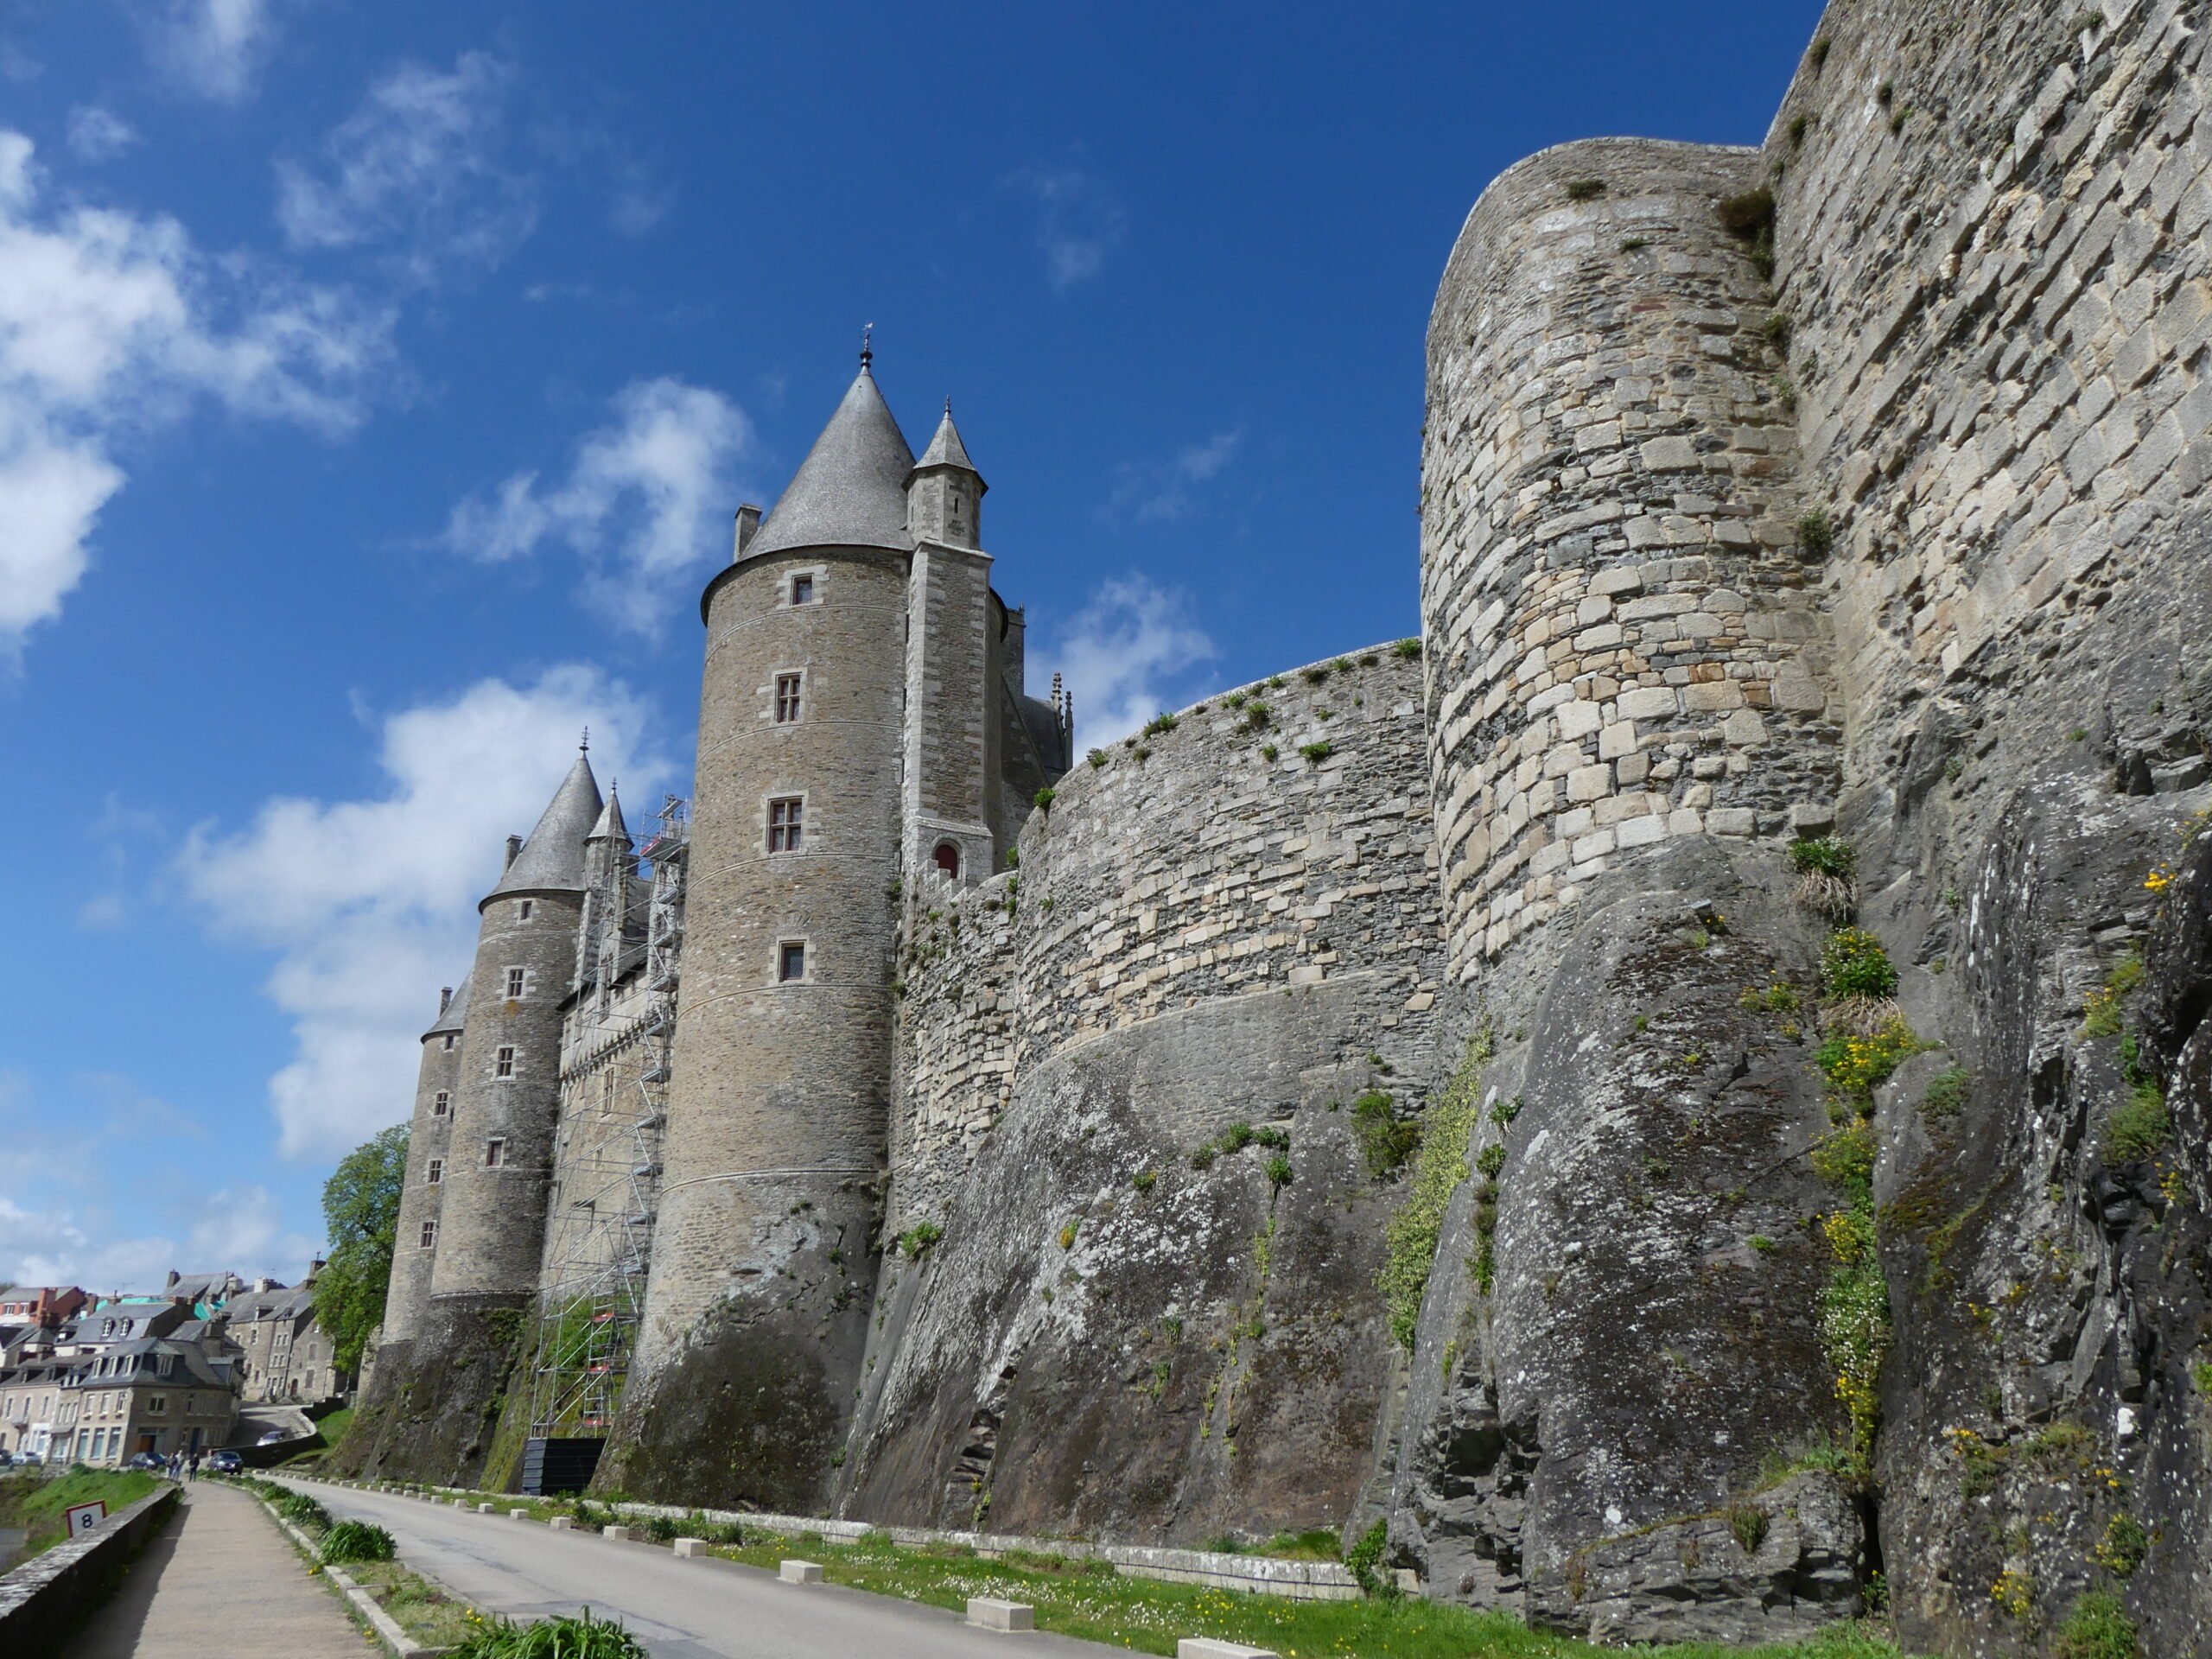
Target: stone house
[(40, 1304), (284, 1353), (30, 1400), (153, 1395)]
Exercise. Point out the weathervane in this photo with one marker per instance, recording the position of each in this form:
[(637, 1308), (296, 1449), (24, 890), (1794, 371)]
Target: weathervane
[(868, 351), (584, 747)]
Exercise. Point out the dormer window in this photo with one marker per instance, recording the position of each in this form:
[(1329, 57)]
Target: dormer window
[(803, 588)]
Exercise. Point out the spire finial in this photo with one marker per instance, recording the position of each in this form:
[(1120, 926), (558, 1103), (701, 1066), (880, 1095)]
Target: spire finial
[(584, 746), (948, 406), (868, 348)]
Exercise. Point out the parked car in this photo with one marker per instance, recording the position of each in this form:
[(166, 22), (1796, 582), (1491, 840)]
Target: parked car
[(223, 1463), (144, 1460), (30, 1461)]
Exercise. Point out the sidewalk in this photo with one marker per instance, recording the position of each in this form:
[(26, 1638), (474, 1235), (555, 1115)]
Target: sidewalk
[(219, 1581)]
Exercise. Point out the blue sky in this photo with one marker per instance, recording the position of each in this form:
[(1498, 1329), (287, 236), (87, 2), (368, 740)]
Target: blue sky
[(376, 383)]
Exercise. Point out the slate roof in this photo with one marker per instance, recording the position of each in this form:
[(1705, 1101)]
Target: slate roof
[(945, 449), (455, 1012), (552, 859), (851, 489)]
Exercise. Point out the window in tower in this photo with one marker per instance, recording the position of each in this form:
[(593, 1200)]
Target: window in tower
[(450, 1040), (803, 589), (436, 1173), (514, 983), (787, 698), (504, 1066), (430, 1234), (440, 1103), (784, 825), (790, 961), (948, 858), (495, 1152), (524, 909)]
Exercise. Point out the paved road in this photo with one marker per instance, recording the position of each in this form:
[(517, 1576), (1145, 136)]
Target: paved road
[(702, 1608), (221, 1579)]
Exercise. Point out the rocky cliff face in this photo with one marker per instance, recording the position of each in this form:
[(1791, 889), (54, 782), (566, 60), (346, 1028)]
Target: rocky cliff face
[(1862, 1229)]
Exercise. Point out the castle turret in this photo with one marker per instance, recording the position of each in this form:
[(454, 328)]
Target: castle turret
[(756, 1308), (954, 635), (421, 1207), (491, 1232)]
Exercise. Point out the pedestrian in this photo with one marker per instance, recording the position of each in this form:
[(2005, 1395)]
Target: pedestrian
[(192, 1469)]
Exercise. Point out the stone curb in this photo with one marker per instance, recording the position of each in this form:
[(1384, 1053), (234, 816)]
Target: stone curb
[(402, 1645), (1260, 1574)]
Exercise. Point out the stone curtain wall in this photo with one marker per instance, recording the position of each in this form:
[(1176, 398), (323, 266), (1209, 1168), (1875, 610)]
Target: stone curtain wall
[(1132, 1323), (1992, 248), (956, 1037), (1623, 647), (1190, 865), (1186, 867)]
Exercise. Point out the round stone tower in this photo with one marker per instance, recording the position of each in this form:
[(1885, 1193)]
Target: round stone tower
[(507, 1095), (756, 1313), (430, 1155)]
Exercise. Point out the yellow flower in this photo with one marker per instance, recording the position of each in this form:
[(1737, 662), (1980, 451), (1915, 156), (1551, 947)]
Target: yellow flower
[(2158, 881)]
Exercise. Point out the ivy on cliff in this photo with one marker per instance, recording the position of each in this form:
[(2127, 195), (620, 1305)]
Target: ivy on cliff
[(1439, 1168)]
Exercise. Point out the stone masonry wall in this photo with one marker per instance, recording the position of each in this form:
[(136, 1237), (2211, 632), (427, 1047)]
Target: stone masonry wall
[(1622, 646), (1131, 1323), (1183, 865)]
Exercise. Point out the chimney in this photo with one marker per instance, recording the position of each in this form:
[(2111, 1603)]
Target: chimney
[(316, 1266), (514, 849), (748, 520), (173, 1276), (262, 1287), (445, 994)]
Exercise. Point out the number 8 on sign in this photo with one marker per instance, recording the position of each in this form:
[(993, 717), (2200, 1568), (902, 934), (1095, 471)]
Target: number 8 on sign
[(85, 1517)]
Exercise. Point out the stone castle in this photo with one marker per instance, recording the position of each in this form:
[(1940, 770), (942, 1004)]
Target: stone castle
[(1679, 1095)]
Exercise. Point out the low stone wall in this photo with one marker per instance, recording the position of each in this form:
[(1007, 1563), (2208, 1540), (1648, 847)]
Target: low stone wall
[(53, 1593)]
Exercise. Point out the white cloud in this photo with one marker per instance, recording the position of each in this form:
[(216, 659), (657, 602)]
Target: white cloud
[(417, 167), (1156, 490), (1130, 652), (213, 47), (239, 1229), (98, 134), (111, 323), (1077, 223), (646, 501), (369, 905)]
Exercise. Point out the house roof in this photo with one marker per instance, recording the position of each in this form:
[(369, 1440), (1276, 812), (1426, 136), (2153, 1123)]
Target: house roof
[(552, 859)]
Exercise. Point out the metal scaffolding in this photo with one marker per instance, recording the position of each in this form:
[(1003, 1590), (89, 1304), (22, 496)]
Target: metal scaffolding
[(614, 1106)]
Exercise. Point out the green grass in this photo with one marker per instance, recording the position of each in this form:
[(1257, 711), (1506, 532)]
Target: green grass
[(419, 1607), (34, 1504), (1088, 1600)]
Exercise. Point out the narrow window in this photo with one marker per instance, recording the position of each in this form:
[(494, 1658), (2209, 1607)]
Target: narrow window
[(450, 1040), (430, 1235), (802, 590), (784, 825), (786, 699), (495, 1152), (504, 1067), (526, 905), (790, 961), (514, 983), (435, 1173), (948, 858), (440, 1103)]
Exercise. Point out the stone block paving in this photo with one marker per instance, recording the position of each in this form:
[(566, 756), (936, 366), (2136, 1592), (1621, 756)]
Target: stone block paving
[(220, 1579)]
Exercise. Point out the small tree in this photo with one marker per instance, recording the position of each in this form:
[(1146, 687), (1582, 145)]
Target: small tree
[(360, 1203)]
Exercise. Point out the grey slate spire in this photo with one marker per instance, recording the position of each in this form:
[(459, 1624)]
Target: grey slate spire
[(610, 826), (453, 1014), (945, 449), (851, 489), (552, 859)]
